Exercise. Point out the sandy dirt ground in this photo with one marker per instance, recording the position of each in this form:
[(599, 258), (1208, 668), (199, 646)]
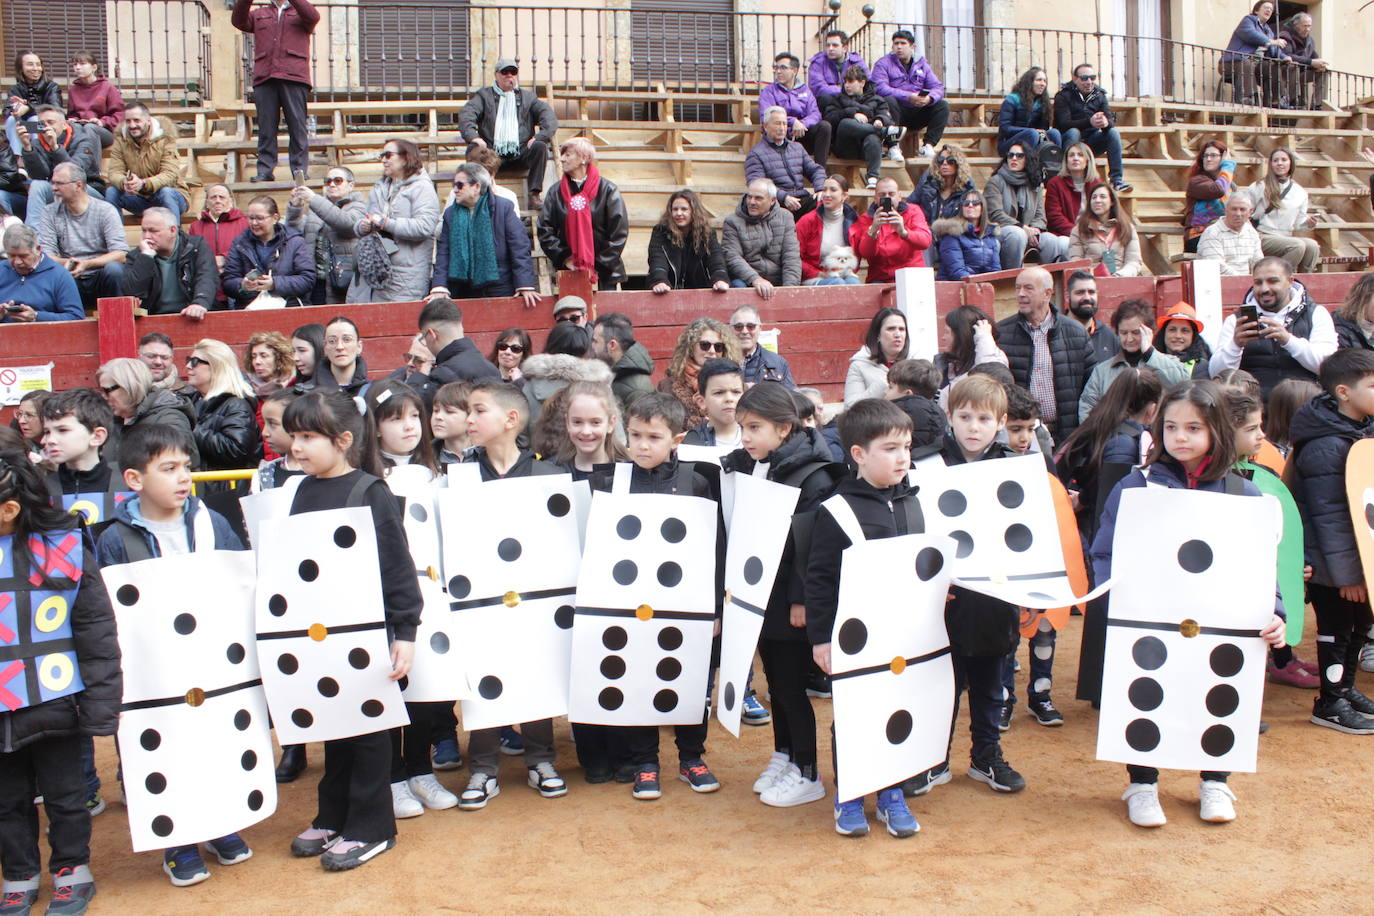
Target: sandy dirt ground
[(1063, 845)]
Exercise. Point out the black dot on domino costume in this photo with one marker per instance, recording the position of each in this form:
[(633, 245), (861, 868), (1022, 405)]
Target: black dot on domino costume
[(753, 570), (899, 726), (963, 542), (309, 570), (665, 700), (359, 658), (1010, 494), (729, 695), (625, 572), (614, 638), (1369, 514), (162, 825), (1145, 694), (670, 639), (1195, 556), (248, 761), (276, 605), (489, 687), (1142, 735), (255, 800), (668, 669), (419, 513), (302, 718), (345, 536), (929, 562), (559, 505), (508, 550), (1226, 660), (185, 624), (613, 667), (1222, 700), (563, 617), (155, 783), (1218, 740), (629, 527), (1019, 538), (853, 636), (372, 708), (952, 503), (611, 698), (673, 530), (287, 664), (236, 653), (669, 574), (327, 686), (438, 643), (1149, 652), (127, 595), (242, 719), (459, 587), (150, 740)]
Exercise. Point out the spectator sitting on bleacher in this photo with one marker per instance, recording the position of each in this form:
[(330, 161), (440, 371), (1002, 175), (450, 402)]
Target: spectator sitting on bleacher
[(145, 168), (487, 159), (912, 85), (268, 259), (890, 234), (1105, 235), (1305, 68), (968, 242), (35, 282), (396, 256), (1281, 210), (1211, 179), (93, 100), (862, 120), (171, 272), (1251, 59), (584, 225), (52, 141), (85, 235), (14, 189), (328, 231), (31, 88), (789, 92), (786, 164), (1232, 240), (941, 189), (827, 227), (219, 224), (1016, 207), (1082, 112), (684, 252), (1064, 192), (759, 363), (483, 250), (825, 71), (281, 76), (503, 116), (760, 242), (1025, 114)]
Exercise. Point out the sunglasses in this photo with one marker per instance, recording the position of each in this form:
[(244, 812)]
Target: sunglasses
[(568, 316), (193, 361), (459, 185), (1087, 77), (972, 203), (337, 179), (943, 159), (110, 388), (386, 154), (1016, 155), (706, 346), (515, 348), (745, 326)]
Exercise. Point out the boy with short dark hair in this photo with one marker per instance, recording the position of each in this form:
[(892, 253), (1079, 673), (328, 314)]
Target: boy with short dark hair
[(77, 424), (1322, 432), (163, 519), (1023, 424), (449, 422), (720, 385), (912, 385), (876, 435)]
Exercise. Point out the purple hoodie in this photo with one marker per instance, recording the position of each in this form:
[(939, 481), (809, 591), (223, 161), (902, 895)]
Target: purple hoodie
[(895, 80), (824, 79), (798, 101)]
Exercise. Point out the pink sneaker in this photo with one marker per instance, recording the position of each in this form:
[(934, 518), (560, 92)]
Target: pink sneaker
[(1293, 675), (1308, 667)]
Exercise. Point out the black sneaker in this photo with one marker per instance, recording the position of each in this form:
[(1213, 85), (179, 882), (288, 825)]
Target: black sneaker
[(1004, 719), (646, 783), (1359, 702), (626, 773), (19, 897), (347, 854), (997, 773), (1337, 713), (1121, 186), (818, 685), (922, 783), (698, 775), (1045, 713), (73, 888), (597, 775)]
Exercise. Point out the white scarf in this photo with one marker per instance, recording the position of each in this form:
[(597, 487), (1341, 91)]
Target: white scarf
[(506, 140)]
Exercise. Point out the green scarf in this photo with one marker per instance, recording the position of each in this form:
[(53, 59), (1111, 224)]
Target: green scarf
[(471, 250)]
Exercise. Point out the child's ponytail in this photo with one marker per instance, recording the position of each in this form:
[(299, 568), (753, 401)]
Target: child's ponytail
[(331, 413)]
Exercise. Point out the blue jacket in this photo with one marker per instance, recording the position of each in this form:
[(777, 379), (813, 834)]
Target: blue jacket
[(927, 197), (1014, 116), (790, 167), (763, 365), (965, 253), (512, 243), (110, 548), (48, 290), (1322, 437), (1252, 37), (286, 255)]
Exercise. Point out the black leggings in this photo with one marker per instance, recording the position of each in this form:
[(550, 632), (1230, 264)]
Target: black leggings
[(785, 664), (1341, 630), (853, 139), (1149, 775), (410, 744)]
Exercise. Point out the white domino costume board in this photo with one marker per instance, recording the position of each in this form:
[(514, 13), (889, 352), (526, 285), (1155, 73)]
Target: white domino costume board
[(194, 736), (1184, 673), (321, 631)]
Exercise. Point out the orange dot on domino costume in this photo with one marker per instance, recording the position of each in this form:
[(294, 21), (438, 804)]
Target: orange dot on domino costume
[(510, 599), (195, 696), (318, 632), (644, 612), (1189, 628), (898, 665), (432, 573)]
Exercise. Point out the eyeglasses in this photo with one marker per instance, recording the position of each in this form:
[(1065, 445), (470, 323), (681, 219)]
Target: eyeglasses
[(193, 361), (972, 203), (111, 388), (745, 326), (337, 179), (340, 341), (1016, 155), (706, 346), (57, 184), (386, 154), (515, 348), (568, 316), (414, 360), (782, 66)]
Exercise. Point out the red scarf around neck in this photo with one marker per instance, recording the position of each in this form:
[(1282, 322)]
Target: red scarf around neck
[(578, 225)]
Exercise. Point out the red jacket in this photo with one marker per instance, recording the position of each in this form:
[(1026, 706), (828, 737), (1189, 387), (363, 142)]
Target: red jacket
[(219, 235), (809, 233), (281, 41), (889, 252), (1062, 205)]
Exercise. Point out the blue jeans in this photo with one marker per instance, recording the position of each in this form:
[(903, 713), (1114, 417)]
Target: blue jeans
[(15, 202), (40, 195), (1029, 137), (12, 135), (1099, 140), (104, 283), (170, 198), (1041, 666)]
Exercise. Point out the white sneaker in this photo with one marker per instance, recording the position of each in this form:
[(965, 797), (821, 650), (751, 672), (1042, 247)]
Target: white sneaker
[(1142, 805), (403, 801), (872, 182), (927, 151), (792, 789), (1367, 657), (431, 792), (777, 765), (1216, 807), (895, 154)]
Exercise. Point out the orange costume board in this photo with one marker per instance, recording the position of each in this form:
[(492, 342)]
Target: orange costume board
[(1359, 492), (1074, 563)]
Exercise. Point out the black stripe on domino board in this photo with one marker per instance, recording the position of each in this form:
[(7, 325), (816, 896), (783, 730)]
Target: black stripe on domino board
[(176, 701), (631, 612), (347, 628), (875, 669), (1173, 628), (494, 600)]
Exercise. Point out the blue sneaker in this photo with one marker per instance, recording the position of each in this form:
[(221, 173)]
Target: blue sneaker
[(446, 755), (512, 744), (230, 849), (184, 866), (893, 812), (754, 712), (850, 819)]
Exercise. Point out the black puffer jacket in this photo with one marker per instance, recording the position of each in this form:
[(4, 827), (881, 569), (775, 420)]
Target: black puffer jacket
[(95, 710), (195, 270), (683, 266), (835, 108), (1322, 438), (1072, 354), (161, 408), (10, 178), (928, 422), (227, 433), (1074, 111), (610, 230), (789, 464), (1348, 334)]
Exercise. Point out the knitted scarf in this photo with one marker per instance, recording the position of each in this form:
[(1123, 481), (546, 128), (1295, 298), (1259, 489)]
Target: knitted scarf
[(578, 224), (1012, 185), (506, 136), (471, 251)]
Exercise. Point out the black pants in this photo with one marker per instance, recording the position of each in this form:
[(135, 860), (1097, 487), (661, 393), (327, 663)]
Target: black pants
[(934, 118), (461, 289), (444, 724), (854, 140), (1341, 629), (817, 141), (641, 742), (785, 664), (50, 767), (982, 677), (600, 747), (533, 157), (1149, 775), (275, 98), (355, 790), (410, 743)]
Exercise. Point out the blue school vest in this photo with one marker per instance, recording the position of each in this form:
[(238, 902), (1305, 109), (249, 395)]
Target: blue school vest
[(37, 647)]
